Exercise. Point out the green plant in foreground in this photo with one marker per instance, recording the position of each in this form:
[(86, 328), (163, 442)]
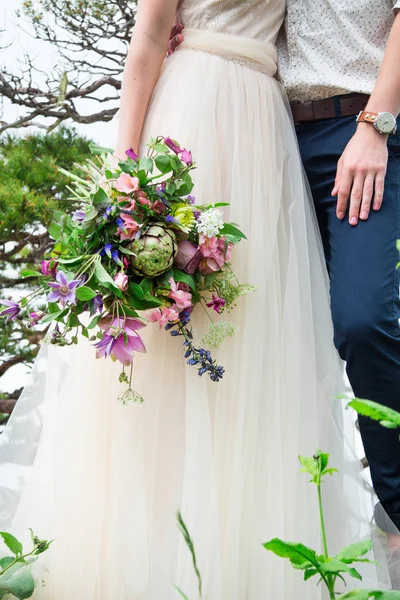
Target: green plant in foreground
[(328, 569), (185, 532), (16, 578), (387, 417)]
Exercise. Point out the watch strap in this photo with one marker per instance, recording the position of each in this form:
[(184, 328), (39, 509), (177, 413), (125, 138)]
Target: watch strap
[(367, 117)]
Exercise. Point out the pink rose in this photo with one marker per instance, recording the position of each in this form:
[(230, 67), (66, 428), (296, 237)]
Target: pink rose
[(188, 257), (182, 299), (126, 183), (121, 279), (129, 229)]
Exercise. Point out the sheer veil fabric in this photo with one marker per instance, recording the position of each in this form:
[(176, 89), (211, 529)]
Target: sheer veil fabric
[(106, 481)]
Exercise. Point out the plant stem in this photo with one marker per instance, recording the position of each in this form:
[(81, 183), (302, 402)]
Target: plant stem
[(18, 559), (322, 522)]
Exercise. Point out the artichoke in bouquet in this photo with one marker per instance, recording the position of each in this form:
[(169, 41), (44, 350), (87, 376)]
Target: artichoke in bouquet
[(154, 251)]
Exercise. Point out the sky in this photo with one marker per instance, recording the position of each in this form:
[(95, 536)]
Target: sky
[(20, 42)]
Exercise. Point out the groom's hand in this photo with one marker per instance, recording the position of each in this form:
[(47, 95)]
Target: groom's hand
[(360, 175), (176, 38)]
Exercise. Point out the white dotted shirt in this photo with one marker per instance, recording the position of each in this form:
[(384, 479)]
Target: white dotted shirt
[(330, 47)]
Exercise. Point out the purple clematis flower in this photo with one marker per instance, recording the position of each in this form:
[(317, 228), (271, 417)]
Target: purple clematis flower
[(12, 311), (120, 339), (63, 290), (217, 303), (78, 216), (96, 304), (191, 199), (186, 157), (35, 317), (172, 145), (132, 154)]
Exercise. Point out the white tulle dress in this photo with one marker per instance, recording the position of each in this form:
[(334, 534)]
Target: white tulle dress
[(106, 481)]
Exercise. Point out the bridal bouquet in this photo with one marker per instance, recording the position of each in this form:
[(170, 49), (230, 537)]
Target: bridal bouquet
[(138, 249)]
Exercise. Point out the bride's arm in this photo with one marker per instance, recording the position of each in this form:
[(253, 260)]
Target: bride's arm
[(142, 67)]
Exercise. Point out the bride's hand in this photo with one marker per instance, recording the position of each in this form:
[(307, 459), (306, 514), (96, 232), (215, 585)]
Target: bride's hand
[(176, 38)]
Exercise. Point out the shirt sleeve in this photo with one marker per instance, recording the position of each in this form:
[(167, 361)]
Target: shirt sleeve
[(396, 7)]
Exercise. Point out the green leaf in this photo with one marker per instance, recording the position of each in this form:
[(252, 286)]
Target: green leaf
[(95, 149), (184, 278), (375, 411), (335, 566), (136, 290), (146, 285), (143, 304), (129, 312), (100, 196), (310, 465), (232, 230), (70, 261), (105, 279), (54, 230), (299, 555), (354, 551), (85, 293), (12, 543), (18, 581), (369, 595), (181, 593), (163, 164), (54, 315), (170, 188), (94, 322), (6, 561), (310, 573), (30, 273), (146, 164)]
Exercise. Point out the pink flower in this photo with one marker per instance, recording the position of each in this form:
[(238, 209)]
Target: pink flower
[(172, 145), (217, 303), (120, 339), (130, 201), (186, 157), (126, 183), (49, 267), (214, 254), (141, 198), (158, 207), (121, 279), (162, 316), (130, 228), (188, 257), (182, 299)]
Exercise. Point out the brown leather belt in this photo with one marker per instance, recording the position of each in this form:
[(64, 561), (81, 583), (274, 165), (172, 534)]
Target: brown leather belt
[(329, 108)]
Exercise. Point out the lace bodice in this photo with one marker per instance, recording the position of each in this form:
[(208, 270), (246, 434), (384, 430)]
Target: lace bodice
[(257, 19)]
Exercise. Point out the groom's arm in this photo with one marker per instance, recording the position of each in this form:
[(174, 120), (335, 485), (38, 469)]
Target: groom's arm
[(362, 167)]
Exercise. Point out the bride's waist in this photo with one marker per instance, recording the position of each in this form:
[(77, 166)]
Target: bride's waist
[(258, 55)]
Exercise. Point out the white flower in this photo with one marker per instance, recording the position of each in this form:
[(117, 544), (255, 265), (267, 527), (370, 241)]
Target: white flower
[(210, 222), (217, 333)]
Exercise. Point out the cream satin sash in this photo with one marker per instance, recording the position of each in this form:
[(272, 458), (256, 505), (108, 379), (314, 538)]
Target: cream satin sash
[(261, 56)]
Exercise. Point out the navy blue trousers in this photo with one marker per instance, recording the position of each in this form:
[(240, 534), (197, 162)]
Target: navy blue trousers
[(364, 292)]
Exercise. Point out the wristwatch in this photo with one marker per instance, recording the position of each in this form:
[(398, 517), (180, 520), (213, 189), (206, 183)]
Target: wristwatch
[(383, 122)]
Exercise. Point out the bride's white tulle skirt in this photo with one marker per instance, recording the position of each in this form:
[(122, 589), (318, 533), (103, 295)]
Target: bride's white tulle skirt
[(107, 481)]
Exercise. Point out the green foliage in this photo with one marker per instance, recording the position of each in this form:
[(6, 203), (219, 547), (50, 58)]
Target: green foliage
[(31, 189), (387, 417), (186, 535), (16, 579), (370, 595)]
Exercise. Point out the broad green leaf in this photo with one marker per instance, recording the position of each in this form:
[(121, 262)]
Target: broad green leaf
[(6, 561), (30, 273), (146, 285), (136, 290), (335, 566), (214, 205), (12, 543), (231, 229), (85, 293), (70, 261), (94, 322), (170, 188), (145, 303), (354, 551), (310, 573), (100, 196), (184, 278), (375, 411), (128, 312), (331, 471), (18, 581), (298, 554), (310, 465), (163, 164), (54, 315), (146, 164), (105, 279)]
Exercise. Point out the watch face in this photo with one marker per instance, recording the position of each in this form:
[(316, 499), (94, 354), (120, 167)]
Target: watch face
[(385, 123)]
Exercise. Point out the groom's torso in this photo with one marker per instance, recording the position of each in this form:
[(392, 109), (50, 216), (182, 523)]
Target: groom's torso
[(329, 47)]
